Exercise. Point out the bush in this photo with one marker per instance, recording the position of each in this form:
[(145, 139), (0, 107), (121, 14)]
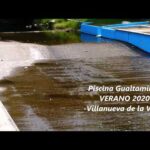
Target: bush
[(46, 24), (67, 24)]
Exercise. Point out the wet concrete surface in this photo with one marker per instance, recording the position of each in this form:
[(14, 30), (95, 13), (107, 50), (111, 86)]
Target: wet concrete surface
[(50, 93)]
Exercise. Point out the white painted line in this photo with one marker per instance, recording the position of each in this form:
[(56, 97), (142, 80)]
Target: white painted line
[(6, 122)]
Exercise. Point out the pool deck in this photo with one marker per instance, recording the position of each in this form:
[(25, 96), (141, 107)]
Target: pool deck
[(6, 122), (141, 30)]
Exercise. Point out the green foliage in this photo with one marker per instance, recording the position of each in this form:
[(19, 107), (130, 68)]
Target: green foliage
[(67, 24), (62, 37), (73, 24), (46, 24)]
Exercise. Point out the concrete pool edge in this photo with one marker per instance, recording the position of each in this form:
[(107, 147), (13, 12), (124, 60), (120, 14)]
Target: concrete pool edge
[(6, 122), (138, 39)]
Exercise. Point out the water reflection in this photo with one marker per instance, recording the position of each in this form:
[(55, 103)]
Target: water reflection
[(52, 94), (42, 37), (92, 38)]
